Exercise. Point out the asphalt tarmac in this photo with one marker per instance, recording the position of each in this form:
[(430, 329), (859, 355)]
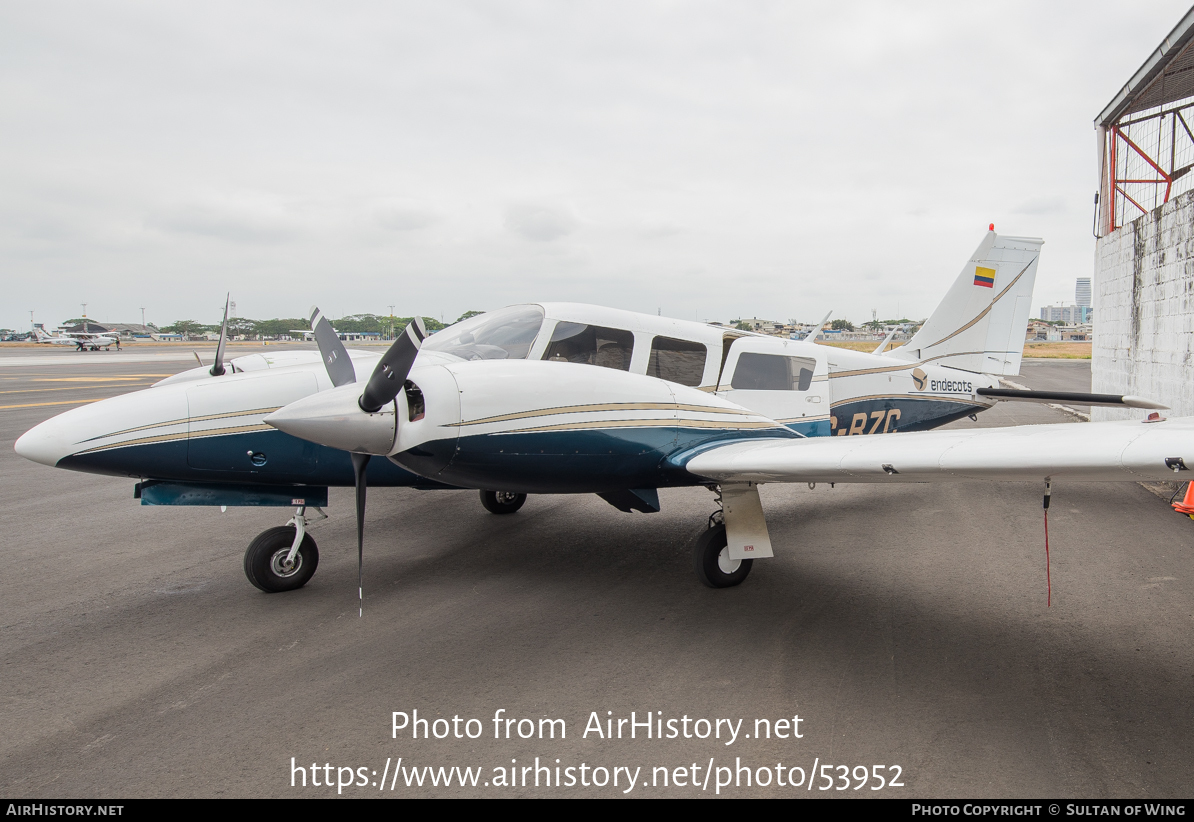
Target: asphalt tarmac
[(906, 626)]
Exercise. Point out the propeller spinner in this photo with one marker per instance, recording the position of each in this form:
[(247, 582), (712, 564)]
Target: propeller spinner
[(349, 419)]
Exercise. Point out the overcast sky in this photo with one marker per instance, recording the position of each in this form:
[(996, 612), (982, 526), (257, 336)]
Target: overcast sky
[(710, 159)]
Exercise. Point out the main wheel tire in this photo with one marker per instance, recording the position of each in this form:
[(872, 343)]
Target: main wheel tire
[(266, 555), (502, 502), (711, 559)]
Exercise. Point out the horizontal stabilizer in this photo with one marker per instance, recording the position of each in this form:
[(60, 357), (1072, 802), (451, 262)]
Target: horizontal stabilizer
[(1069, 396)]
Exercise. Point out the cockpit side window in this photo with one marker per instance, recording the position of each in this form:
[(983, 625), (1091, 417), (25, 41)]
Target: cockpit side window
[(680, 361), (506, 334), (591, 345), (772, 372)]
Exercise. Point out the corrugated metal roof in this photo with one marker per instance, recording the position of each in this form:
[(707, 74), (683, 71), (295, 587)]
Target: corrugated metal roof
[(1167, 75)]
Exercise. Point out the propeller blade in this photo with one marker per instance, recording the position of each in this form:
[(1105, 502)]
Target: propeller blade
[(217, 368), (359, 463), (335, 356), (390, 374)]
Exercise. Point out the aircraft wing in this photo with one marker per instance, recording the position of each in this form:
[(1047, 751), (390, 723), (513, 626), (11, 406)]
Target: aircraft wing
[(1084, 452)]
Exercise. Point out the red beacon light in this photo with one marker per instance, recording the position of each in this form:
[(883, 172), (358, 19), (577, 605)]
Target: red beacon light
[(991, 227)]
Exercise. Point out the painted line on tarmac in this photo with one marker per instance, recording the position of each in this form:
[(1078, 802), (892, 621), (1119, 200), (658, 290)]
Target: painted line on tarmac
[(77, 359), (71, 388), (119, 378), (60, 402)]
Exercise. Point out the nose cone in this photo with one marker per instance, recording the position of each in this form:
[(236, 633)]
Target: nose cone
[(96, 437), (46, 443)]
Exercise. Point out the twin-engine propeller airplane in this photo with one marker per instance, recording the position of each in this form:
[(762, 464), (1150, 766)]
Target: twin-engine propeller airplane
[(563, 398)]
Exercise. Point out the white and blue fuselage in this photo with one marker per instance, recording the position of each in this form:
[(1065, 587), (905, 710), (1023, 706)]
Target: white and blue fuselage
[(544, 398)]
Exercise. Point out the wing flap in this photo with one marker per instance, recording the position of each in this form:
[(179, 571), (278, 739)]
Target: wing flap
[(1086, 452)]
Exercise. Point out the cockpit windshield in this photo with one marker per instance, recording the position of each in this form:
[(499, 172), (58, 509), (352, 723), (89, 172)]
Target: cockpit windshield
[(506, 334)]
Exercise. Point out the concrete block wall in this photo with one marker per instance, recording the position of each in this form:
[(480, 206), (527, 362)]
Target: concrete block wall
[(1144, 311)]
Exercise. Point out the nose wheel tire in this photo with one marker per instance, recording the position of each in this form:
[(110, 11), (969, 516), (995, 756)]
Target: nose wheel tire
[(265, 560), (711, 560), (502, 502)]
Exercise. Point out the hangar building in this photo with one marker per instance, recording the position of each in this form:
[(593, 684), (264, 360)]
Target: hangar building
[(1144, 224)]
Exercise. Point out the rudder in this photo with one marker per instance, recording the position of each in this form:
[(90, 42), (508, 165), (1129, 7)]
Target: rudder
[(981, 323)]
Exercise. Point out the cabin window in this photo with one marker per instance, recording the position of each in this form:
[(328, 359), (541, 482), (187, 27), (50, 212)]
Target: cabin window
[(772, 372), (591, 345), (506, 334), (679, 361)]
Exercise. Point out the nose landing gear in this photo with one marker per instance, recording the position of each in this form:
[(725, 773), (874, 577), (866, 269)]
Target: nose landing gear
[(502, 502), (282, 558)]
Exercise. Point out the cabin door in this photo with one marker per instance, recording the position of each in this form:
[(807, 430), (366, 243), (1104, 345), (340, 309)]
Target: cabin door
[(781, 379)]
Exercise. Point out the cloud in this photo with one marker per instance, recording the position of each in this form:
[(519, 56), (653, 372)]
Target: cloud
[(540, 223), (680, 148), (653, 229), (1041, 205), (403, 216), (252, 218)]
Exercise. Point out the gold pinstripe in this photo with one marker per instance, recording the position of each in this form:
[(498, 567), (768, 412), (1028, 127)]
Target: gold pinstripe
[(712, 388), (936, 397), (581, 426), (240, 429), (137, 441), (207, 417), (608, 406), (883, 370), (986, 310), (214, 432), (804, 419)]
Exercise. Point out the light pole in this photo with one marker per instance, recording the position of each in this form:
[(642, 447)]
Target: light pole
[(144, 327), (84, 317), (391, 322)]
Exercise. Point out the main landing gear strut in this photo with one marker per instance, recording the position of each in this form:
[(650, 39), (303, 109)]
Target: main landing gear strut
[(711, 554), (283, 558), (736, 537)]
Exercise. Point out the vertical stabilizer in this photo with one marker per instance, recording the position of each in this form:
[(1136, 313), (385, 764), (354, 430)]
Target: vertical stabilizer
[(981, 324)]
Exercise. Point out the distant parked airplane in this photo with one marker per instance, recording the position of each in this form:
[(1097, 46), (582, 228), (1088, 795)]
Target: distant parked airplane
[(84, 341)]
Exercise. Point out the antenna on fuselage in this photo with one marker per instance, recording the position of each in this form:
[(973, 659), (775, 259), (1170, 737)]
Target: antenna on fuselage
[(217, 367), (886, 340), (812, 335)]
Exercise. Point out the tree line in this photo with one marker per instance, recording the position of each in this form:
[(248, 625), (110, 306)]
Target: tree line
[(383, 324)]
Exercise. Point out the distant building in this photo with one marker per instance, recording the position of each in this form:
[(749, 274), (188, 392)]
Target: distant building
[(1043, 332), (1037, 331), (1068, 314), (1082, 292), (761, 326), (124, 330)]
